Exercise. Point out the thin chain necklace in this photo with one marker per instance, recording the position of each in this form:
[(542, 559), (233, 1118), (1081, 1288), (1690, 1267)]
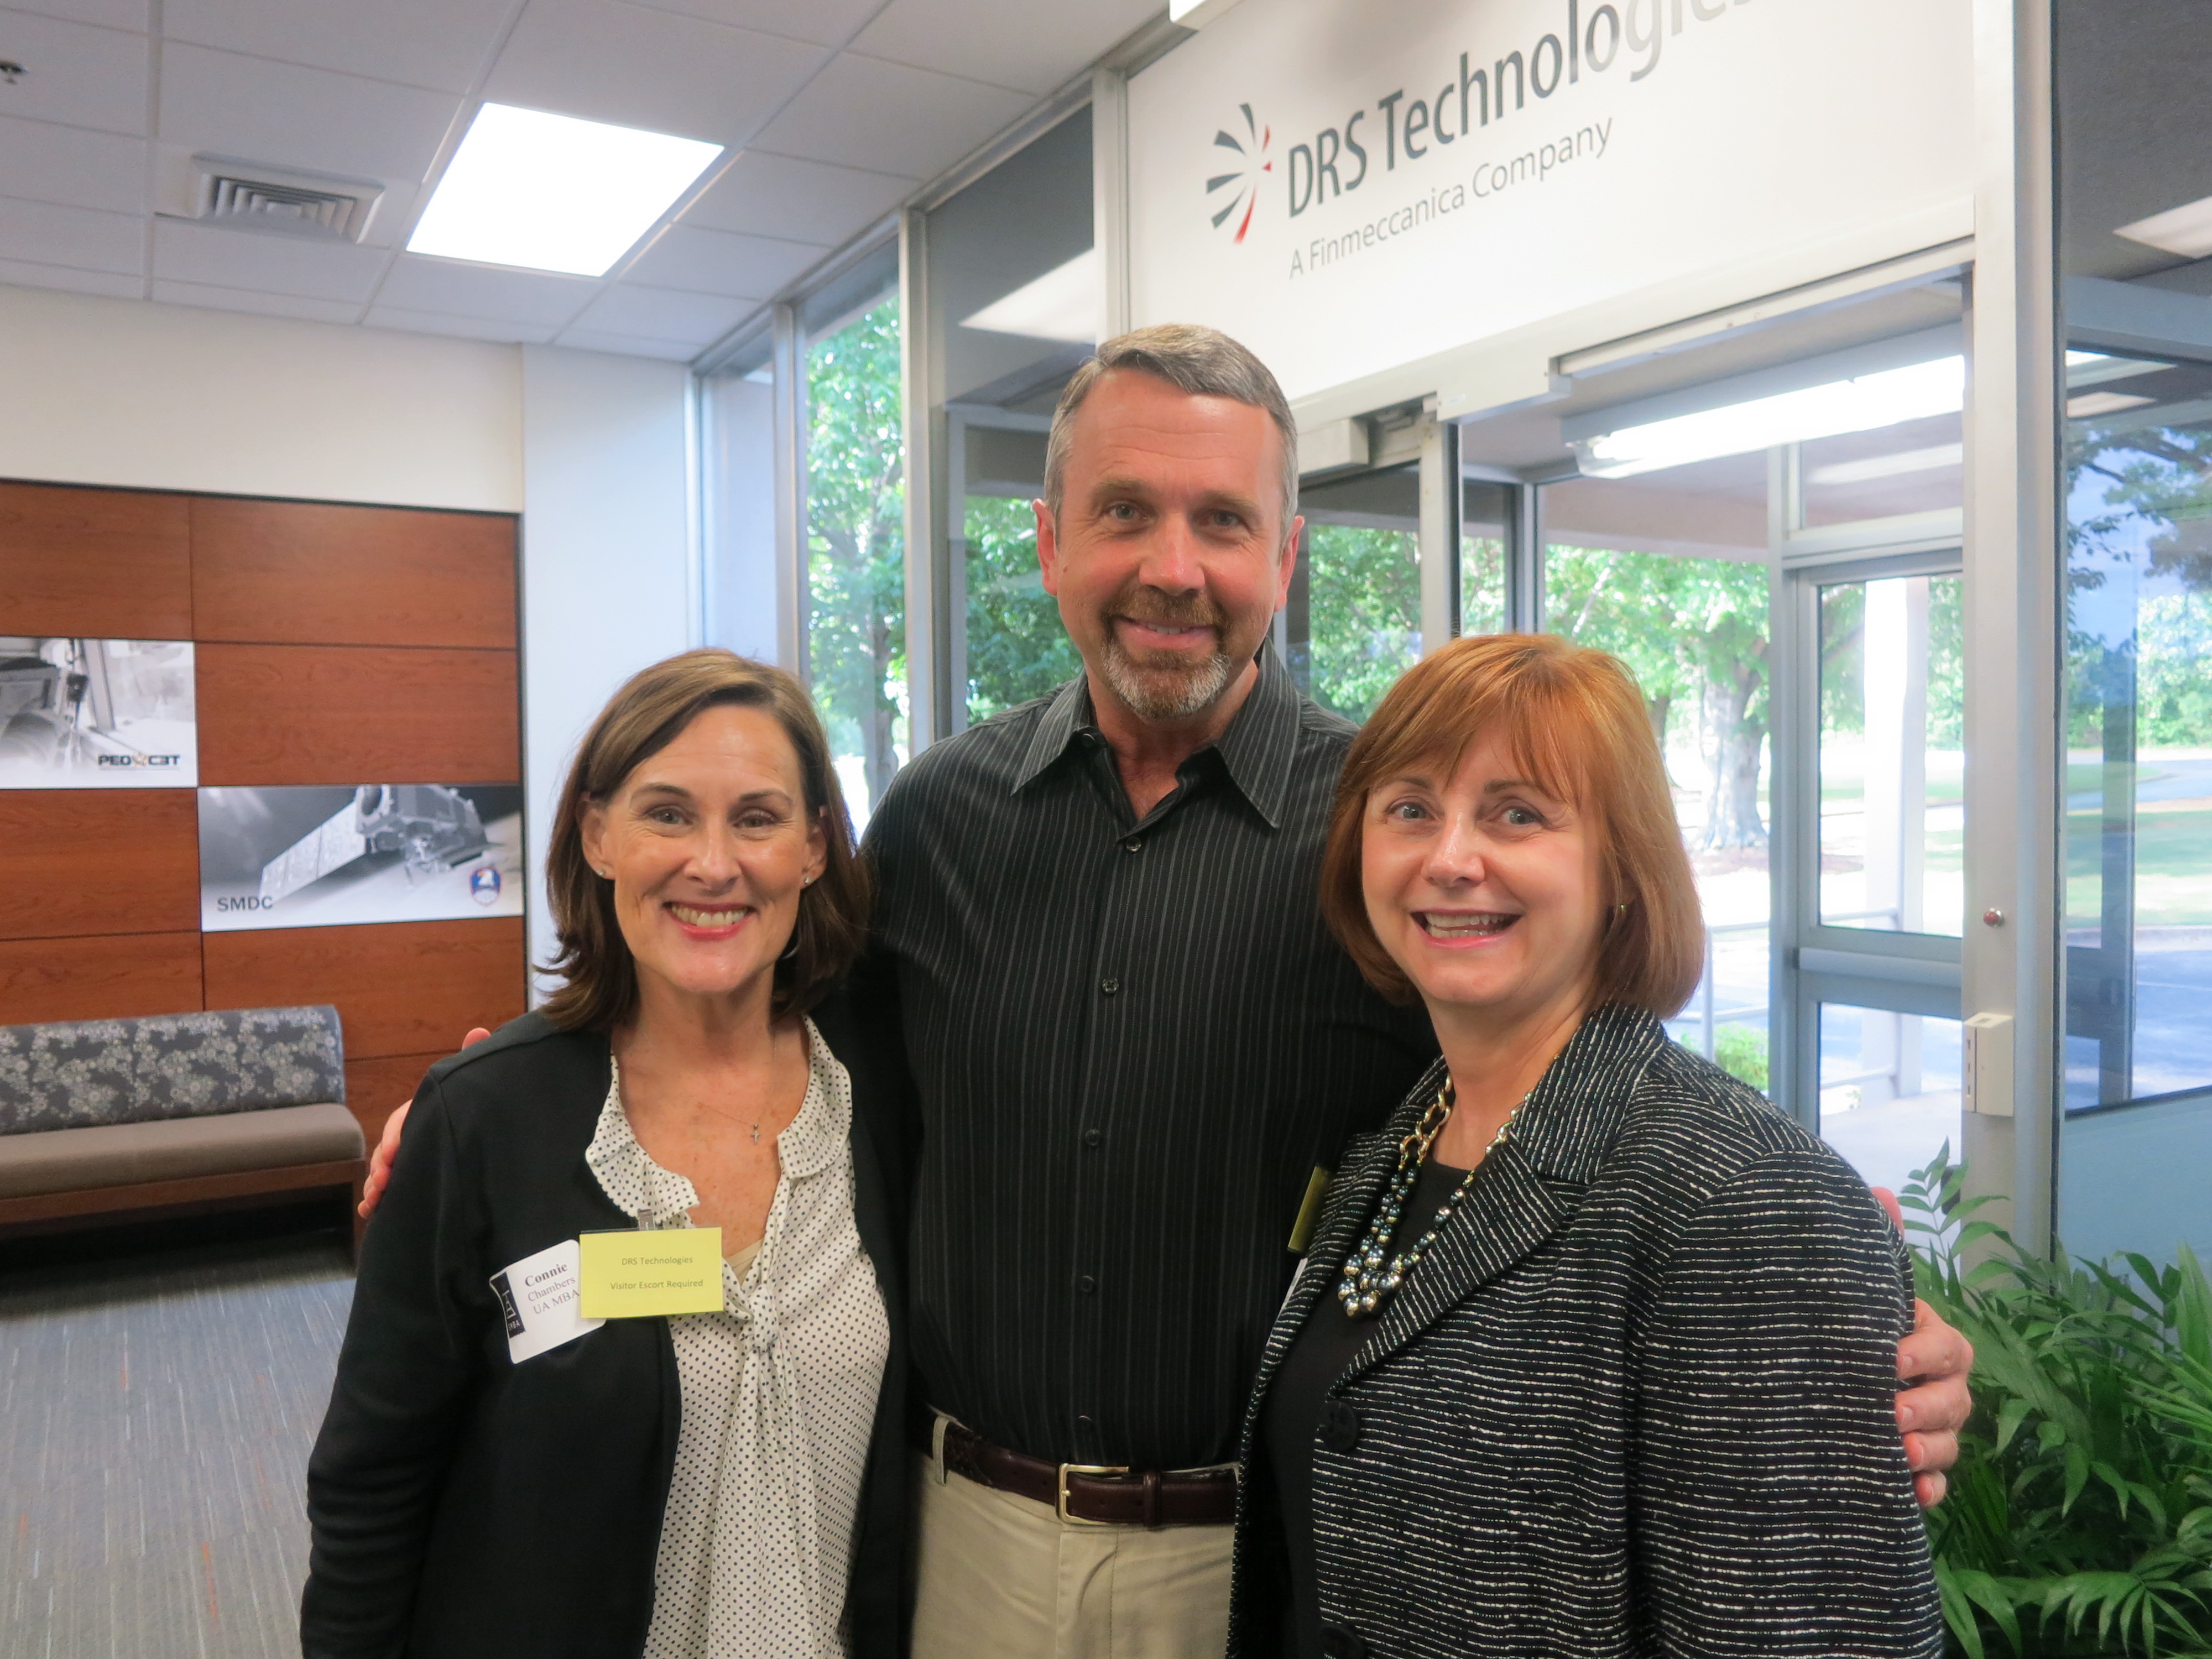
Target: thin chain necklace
[(1371, 1275)]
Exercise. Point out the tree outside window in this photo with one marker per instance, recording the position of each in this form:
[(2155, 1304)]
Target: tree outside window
[(1693, 632), (1018, 651), (856, 550)]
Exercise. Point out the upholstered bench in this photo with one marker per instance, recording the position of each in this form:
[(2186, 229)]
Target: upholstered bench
[(113, 1120)]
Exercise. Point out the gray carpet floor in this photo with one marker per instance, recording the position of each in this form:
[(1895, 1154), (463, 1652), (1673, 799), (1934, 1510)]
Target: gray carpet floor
[(156, 1414)]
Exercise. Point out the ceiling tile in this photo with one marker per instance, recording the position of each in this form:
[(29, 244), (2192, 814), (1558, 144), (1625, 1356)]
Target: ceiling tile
[(1034, 46), (626, 345), (257, 111), (23, 273), (210, 298), (805, 201), (50, 235), (662, 314), (441, 44), (825, 22), (864, 113), (606, 61), (467, 328), (84, 77), (74, 165), (264, 263), (108, 14), (720, 262), (466, 290)]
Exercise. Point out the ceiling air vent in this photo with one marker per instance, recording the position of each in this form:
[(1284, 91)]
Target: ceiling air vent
[(249, 196)]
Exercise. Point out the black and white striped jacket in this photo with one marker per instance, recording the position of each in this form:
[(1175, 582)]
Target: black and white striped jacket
[(1637, 1399)]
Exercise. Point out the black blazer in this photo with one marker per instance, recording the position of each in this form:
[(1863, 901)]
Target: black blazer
[(1637, 1399), (464, 1505)]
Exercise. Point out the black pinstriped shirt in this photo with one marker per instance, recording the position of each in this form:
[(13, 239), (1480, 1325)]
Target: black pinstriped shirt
[(1132, 1042)]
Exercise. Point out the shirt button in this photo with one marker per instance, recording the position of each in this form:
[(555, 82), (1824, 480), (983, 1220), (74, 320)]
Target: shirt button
[(1339, 1426), (1085, 1422), (1110, 986), (1094, 1138), (1086, 1284), (1133, 844)]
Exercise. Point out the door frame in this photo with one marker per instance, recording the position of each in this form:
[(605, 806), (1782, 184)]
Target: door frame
[(1809, 961)]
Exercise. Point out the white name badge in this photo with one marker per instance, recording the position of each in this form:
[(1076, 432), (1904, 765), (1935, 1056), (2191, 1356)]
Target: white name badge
[(542, 1301)]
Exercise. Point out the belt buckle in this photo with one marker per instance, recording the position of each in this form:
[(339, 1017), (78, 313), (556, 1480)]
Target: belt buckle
[(1066, 1469)]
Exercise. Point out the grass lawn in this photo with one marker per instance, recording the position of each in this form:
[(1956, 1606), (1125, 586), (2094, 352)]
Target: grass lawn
[(2173, 865)]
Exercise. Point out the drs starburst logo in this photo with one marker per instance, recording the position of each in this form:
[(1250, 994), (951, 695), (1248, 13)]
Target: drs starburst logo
[(1237, 192)]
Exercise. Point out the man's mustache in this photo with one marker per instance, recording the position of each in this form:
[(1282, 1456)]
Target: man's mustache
[(1141, 602)]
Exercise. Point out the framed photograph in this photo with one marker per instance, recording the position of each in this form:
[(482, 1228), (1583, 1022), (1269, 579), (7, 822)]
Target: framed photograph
[(315, 856), (97, 714)]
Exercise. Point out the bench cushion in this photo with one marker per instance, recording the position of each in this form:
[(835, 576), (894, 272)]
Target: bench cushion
[(85, 1073), (169, 1149)]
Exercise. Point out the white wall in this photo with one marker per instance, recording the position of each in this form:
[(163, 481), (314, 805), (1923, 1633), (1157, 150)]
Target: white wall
[(607, 561), (123, 392)]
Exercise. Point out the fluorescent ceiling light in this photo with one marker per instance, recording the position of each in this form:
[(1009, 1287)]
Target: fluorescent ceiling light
[(2102, 403), (1885, 398), (550, 192), (1062, 305), (1888, 466), (2095, 367), (1196, 13), (2186, 230)]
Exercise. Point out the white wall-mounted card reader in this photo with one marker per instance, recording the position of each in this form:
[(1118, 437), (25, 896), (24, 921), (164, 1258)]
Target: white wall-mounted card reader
[(1989, 1065)]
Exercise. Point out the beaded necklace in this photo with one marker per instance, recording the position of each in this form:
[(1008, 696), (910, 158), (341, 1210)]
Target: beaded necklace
[(1370, 1281)]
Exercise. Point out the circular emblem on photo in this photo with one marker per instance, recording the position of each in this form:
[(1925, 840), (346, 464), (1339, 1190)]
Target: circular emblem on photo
[(483, 884)]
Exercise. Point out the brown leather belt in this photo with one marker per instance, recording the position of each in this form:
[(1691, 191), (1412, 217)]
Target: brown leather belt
[(1094, 1494)]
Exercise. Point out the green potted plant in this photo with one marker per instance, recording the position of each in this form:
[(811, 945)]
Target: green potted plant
[(2080, 1514)]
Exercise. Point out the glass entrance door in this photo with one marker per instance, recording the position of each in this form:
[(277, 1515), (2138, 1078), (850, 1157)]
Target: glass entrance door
[(1873, 983)]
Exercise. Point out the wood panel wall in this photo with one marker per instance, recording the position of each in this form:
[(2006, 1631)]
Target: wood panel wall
[(334, 645)]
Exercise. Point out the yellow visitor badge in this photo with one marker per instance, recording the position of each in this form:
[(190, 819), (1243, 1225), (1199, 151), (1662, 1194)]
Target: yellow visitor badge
[(630, 1275)]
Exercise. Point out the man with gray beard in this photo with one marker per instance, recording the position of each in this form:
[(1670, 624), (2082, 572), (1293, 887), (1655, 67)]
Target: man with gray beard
[(1136, 1049)]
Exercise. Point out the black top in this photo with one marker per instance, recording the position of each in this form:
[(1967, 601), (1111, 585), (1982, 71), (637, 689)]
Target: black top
[(1132, 1044), (462, 1505), (1297, 1413), (1638, 1399)]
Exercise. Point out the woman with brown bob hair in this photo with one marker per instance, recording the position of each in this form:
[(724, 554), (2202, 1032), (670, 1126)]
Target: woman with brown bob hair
[(1595, 1350), (498, 1473)]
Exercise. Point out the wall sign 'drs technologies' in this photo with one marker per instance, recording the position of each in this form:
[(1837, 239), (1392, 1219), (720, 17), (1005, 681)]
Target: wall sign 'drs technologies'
[(96, 714), (1350, 188), (312, 856)]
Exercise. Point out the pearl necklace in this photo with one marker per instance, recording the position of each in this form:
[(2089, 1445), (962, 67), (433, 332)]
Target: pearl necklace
[(1370, 1281)]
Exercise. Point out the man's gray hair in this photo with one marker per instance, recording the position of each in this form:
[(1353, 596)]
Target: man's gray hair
[(1201, 362)]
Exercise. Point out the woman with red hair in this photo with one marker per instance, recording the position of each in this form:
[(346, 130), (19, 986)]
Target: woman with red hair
[(1595, 1350)]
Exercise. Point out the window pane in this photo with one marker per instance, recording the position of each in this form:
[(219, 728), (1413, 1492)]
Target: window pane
[(1890, 1090), (1483, 510), (2138, 783), (856, 550), (1918, 467), (1893, 825), (1017, 648), (1015, 292), (1353, 622), (739, 411), (1668, 572)]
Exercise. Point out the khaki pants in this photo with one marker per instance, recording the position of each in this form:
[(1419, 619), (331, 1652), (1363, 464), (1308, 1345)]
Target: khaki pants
[(1005, 1578)]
